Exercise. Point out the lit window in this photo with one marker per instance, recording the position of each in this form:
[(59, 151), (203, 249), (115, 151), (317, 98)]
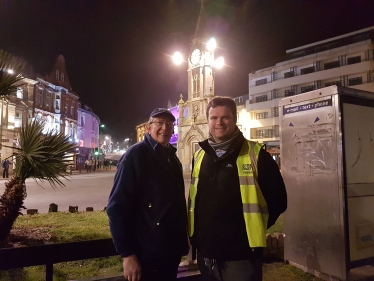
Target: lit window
[(19, 93)]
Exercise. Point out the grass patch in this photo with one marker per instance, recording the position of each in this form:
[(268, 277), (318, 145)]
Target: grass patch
[(70, 227)]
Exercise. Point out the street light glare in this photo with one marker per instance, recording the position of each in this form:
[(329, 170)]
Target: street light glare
[(219, 62), (212, 44), (177, 58), (10, 71)]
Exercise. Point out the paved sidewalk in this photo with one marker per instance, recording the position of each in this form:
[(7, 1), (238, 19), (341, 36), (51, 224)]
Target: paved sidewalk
[(84, 171)]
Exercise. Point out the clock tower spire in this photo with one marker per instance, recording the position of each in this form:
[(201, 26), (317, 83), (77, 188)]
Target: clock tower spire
[(193, 127)]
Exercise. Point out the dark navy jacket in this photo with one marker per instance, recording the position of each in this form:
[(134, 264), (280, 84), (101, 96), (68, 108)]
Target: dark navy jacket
[(147, 207)]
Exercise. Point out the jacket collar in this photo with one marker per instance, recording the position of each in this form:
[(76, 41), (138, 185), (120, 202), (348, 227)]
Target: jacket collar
[(154, 144)]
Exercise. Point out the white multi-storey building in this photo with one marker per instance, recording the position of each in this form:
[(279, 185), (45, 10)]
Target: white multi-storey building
[(346, 60), (242, 115)]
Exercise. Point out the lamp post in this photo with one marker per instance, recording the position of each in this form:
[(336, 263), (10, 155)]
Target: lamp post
[(126, 141)]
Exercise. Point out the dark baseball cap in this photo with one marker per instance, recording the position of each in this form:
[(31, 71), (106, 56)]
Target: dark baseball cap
[(159, 111)]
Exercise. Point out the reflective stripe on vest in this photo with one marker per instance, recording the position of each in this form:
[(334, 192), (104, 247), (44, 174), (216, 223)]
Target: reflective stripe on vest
[(254, 206), (198, 158)]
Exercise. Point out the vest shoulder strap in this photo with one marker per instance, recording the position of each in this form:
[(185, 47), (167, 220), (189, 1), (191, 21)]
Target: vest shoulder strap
[(197, 155), (253, 155)]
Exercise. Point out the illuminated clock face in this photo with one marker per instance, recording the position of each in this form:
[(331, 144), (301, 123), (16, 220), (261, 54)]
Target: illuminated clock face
[(195, 56)]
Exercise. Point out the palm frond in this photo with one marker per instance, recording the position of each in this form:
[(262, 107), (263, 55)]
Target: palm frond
[(8, 80), (42, 156)]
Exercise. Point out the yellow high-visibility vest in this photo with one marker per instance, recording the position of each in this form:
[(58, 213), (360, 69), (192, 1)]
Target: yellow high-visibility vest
[(254, 205)]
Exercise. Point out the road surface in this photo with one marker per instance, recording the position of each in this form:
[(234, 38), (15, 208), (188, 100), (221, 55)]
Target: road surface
[(82, 190)]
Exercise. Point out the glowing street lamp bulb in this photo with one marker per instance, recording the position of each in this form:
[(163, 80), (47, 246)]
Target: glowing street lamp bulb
[(177, 58), (212, 44), (219, 62), (10, 71)]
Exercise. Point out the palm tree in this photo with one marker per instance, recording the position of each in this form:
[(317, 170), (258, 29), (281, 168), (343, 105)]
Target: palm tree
[(10, 73), (40, 156)]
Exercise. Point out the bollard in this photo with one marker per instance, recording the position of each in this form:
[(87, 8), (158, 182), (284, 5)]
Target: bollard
[(268, 241), (274, 242), (73, 209), (32, 211), (89, 209), (280, 237), (52, 208)]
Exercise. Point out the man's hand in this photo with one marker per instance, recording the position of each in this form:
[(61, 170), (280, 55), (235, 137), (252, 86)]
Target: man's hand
[(131, 268)]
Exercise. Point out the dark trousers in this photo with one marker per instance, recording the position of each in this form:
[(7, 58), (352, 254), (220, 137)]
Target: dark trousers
[(6, 173), (159, 269), (218, 270)]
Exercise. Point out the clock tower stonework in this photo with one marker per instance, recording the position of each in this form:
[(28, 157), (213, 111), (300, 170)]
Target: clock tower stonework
[(192, 124)]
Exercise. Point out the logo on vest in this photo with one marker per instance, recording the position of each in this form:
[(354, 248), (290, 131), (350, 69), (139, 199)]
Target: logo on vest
[(247, 168)]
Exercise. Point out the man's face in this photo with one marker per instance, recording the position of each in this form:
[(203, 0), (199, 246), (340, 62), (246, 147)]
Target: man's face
[(221, 123), (161, 129)]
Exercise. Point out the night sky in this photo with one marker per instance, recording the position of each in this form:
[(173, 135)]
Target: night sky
[(118, 52)]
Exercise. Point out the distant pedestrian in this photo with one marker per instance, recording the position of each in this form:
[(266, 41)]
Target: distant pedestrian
[(5, 165), (88, 165)]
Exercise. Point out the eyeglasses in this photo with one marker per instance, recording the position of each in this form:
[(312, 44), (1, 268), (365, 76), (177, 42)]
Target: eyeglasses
[(168, 124)]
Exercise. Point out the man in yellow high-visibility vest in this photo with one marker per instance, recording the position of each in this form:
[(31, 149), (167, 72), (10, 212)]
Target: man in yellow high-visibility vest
[(236, 193)]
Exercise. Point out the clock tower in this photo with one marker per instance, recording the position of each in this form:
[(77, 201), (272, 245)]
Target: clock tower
[(192, 123)]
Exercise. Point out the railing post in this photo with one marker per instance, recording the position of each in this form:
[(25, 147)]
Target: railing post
[(49, 272)]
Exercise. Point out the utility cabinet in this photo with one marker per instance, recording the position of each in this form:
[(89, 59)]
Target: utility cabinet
[(327, 162)]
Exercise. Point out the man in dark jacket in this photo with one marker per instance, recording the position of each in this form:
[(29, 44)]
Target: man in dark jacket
[(6, 164), (236, 193), (147, 207)]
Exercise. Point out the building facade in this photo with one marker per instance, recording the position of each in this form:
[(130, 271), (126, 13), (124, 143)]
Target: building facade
[(346, 60), (14, 112), (50, 99), (55, 102), (87, 134), (242, 115)]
